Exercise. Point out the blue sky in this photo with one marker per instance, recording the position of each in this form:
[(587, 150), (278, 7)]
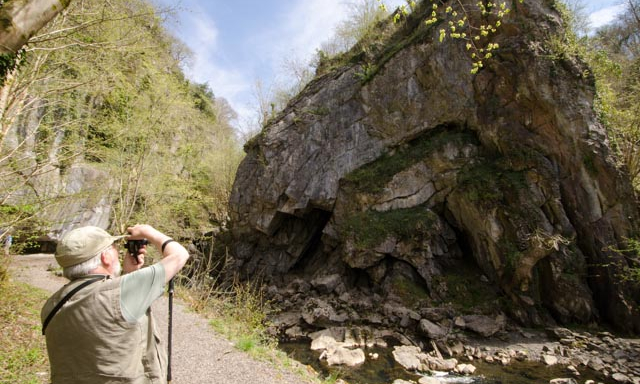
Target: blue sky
[(238, 43)]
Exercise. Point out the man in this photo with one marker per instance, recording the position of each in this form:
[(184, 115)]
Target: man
[(104, 331)]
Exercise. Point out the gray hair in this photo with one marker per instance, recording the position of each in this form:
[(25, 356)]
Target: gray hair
[(75, 271)]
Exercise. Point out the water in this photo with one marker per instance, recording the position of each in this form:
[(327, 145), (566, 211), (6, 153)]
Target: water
[(525, 373), (385, 370), (382, 370)]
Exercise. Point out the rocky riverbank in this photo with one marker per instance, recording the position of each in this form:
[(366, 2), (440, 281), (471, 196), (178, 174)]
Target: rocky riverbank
[(600, 355), (611, 359), (440, 339)]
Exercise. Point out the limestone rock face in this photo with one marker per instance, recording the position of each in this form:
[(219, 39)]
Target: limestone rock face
[(87, 183), (417, 181)]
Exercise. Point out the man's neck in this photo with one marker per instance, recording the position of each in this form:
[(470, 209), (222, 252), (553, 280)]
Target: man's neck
[(100, 271)]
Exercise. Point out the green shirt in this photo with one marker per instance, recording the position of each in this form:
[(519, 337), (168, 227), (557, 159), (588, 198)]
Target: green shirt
[(139, 289)]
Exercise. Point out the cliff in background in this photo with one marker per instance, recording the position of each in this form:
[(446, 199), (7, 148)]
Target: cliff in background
[(99, 126), (418, 186)]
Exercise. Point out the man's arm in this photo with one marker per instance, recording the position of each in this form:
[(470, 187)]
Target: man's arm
[(174, 255)]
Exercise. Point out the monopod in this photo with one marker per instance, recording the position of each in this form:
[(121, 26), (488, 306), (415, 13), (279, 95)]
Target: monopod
[(170, 331)]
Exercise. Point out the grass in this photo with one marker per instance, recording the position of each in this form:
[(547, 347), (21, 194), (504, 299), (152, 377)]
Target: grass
[(369, 228), (374, 176), (23, 354), (383, 40), (467, 292), (488, 183), (240, 315), (410, 292)]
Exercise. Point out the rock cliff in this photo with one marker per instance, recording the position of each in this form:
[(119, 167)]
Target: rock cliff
[(419, 183), (34, 174)]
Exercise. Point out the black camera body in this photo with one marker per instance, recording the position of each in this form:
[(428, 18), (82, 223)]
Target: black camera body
[(133, 246)]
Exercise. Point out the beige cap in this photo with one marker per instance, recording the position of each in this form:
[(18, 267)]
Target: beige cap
[(81, 244)]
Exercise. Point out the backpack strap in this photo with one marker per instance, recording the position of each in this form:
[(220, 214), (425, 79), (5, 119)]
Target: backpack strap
[(66, 298)]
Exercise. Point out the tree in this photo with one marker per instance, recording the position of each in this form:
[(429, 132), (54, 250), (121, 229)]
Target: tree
[(23, 18), (270, 100), (102, 91), (614, 56), (361, 17), (577, 11)]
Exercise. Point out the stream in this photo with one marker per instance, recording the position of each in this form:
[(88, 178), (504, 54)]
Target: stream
[(385, 370)]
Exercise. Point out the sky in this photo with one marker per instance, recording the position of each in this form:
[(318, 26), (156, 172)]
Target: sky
[(241, 43)]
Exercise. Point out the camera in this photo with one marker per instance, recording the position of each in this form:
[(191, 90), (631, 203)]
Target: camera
[(133, 246)]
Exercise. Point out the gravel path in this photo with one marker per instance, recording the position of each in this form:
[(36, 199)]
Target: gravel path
[(200, 356)]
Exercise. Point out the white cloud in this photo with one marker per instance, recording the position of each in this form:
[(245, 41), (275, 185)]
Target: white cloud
[(205, 31), (300, 32), (296, 33), (208, 65), (605, 15), (310, 23), (224, 82), (200, 34), (302, 29)]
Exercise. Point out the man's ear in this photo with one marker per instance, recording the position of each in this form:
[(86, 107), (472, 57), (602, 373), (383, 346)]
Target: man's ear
[(105, 259)]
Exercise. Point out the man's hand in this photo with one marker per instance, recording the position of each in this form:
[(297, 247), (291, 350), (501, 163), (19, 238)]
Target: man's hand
[(132, 263), (174, 255), (142, 231)]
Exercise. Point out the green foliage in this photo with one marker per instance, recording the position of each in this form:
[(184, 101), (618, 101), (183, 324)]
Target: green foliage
[(204, 100), (322, 111), (631, 271), (112, 94), (367, 73), (465, 291), (380, 49), (23, 356), (246, 343), (20, 221), (332, 378), (570, 44), (388, 51), (410, 292), (374, 176), (241, 316), (487, 183), (475, 30), (374, 43), (370, 228), (10, 62), (613, 55), (16, 210), (512, 256), (473, 23), (360, 22)]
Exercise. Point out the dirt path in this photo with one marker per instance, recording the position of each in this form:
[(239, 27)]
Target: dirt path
[(200, 356)]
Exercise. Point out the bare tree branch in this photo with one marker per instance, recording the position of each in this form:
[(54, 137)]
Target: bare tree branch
[(634, 11)]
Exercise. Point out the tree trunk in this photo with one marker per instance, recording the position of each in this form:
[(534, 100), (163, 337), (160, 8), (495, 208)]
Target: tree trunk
[(21, 19)]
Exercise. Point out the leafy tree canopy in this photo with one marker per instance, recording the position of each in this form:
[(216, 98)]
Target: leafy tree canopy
[(102, 85)]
